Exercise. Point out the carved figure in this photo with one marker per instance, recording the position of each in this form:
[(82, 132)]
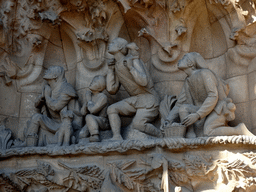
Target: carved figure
[(216, 123), (97, 107), (55, 97), (202, 94), (65, 131), (130, 72)]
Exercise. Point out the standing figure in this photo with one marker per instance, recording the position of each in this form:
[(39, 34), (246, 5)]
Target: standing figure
[(96, 105), (56, 95), (130, 72), (200, 99)]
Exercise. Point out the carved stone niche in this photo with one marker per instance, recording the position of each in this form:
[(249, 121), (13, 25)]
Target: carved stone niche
[(99, 95)]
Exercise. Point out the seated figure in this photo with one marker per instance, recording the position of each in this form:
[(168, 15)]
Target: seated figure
[(55, 97), (129, 71), (96, 106), (202, 96)]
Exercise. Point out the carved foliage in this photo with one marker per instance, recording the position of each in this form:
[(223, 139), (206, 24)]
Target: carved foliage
[(133, 179)]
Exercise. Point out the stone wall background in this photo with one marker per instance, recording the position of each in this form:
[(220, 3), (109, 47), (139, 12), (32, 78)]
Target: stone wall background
[(208, 27)]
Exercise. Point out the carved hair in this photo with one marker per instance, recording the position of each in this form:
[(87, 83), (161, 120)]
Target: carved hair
[(196, 60), (122, 43), (55, 72), (101, 82)]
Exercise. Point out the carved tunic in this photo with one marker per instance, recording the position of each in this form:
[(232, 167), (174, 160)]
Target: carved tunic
[(133, 81), (202, 89)]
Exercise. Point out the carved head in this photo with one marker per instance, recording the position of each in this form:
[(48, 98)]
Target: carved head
[(98, 83), (192, 60), (133, 49), (54, 74), (118, 44)]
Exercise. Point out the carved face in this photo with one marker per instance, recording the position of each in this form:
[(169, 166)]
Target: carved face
[(113, 47), (184, 63), (118, 44), (97, 84)]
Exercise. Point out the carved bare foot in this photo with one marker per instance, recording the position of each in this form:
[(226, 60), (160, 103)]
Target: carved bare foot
[(116, 138), (94, 138), (243, 130)]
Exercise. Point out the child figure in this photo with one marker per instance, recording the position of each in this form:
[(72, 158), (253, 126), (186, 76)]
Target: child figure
[(96, 108)]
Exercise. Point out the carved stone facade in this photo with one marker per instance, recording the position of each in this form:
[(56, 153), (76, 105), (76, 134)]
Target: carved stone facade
[(127, 95)]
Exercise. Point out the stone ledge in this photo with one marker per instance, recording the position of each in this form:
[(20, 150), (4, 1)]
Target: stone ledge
[(173, 144)]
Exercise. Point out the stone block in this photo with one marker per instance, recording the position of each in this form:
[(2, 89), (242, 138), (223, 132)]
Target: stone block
[(84, 76), (253, 116), (55, 37), (69, 50), (234, 69), (252, 66), (71, 76), (9, 99), (238, 89), (54, 55), (218, 66), (252, 85), (27, 107), (227, 31)]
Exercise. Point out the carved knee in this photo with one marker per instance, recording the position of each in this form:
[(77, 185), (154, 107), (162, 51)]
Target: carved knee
[(139, 125), (112, 109), (92, 124)]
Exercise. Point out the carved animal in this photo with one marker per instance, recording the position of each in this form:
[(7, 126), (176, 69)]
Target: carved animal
[(65, 131)]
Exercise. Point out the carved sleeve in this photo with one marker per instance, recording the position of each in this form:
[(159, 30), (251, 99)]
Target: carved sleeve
[(112, 82), (57, 104), (138, 72), (99, 104), (210, 83)]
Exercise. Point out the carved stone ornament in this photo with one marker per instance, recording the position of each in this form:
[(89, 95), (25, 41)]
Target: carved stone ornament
[(127, 95)]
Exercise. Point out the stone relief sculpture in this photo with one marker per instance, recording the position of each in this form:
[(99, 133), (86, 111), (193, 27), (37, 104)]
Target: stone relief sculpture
[(128, 71), (203, 95), (95, 110), (127, 95), (54, 99)]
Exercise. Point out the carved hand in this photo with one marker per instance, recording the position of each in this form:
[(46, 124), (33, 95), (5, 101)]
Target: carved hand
[(190, 119), (47, 90), (88, 95), (84, 109), (128, 64), (90, 105), (111, 62)]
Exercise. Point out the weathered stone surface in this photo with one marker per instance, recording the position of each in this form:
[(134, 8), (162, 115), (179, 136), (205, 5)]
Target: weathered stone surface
[(153, 95)]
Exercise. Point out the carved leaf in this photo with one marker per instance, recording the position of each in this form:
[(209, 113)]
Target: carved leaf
[(84, 177), (234, 170), (166, 105), (129, 178), (198, 166)]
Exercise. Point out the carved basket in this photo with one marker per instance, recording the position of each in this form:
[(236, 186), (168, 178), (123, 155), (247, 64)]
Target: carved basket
[(175, 131)]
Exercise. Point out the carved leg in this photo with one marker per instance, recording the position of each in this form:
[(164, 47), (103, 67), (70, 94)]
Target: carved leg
[(122, 108), (142, 119), (93, 127), (31, 133), (115, 124), (67, 136)]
